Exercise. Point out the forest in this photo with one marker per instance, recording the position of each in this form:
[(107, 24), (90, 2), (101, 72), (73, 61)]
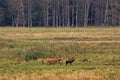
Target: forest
[(63, 13)]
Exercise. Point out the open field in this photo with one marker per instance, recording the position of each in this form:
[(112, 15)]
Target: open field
[(100, 45)]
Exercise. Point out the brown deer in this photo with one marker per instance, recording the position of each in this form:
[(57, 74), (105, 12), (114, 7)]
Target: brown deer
[(86, 60), (54, 61), (42, 61), (70, 61)]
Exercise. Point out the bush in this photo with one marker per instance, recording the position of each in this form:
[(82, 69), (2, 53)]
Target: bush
[(30, 56), (34, 55), (12, 45)]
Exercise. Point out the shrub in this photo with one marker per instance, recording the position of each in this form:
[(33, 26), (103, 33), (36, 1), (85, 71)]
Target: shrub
[(12, 45), (34, 55), (30, 56)]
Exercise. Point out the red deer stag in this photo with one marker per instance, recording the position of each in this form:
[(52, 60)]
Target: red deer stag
[(70, 61)]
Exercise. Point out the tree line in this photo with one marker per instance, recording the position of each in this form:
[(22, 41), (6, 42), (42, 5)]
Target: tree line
[(59, 13)]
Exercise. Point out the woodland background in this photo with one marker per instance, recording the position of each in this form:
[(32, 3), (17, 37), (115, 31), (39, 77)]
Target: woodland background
[(59, 13)]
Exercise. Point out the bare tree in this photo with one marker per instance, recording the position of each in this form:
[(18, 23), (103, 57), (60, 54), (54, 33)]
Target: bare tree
[(29, 3), (87, 4), (16, 10), (106, 13)]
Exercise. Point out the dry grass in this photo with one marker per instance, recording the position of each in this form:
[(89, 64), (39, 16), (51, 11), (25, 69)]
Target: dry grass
[(74, 76), (80, 34)]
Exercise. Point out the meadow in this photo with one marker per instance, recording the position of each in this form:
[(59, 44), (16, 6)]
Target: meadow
[(19, 46)]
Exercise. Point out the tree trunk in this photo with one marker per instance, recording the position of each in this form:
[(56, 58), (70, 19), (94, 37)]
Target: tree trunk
[(106, 14), (47, 17), (73, 15), (87, 6), (29, 13)]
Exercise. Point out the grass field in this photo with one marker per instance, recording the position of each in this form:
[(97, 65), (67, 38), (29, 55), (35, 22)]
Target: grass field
[(101, 45)]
